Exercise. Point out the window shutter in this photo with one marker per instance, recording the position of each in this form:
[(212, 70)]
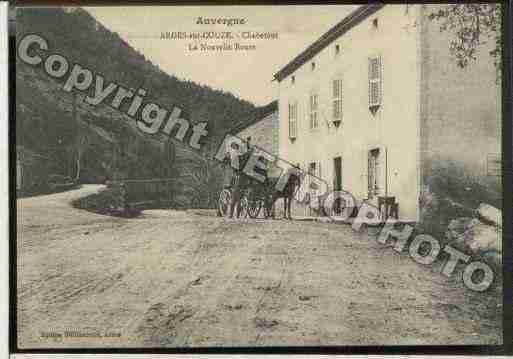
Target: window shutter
[(292, 120), (295, 119), (313, 105), (316, 99), (310, 119), (374, 171), (378, 164), (364, 176), (318, 189), (375, 81), (340, 97), (370, 175), (313, 111), (337, 99)]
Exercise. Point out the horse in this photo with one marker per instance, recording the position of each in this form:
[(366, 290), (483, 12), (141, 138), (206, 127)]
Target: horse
[(287, 193)]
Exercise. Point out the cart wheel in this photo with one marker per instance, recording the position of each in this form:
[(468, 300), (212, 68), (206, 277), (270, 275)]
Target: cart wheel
[(223, 203), (268, 211), (254, 207), (244, 205)]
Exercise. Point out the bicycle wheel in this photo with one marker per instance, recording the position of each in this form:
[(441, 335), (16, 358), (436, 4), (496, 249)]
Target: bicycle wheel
[(223, 203), (244, 204), (254, 207)]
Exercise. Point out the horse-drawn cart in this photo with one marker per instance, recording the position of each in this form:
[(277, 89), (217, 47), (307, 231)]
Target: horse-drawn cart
[(254, 196)]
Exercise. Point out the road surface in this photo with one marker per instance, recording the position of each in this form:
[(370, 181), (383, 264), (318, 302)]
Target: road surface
[(178, 278)]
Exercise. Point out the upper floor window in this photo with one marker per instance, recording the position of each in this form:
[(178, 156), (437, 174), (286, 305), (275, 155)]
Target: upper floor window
[(293, 120), (375, 83), (337, 49), (313, 107), (313, 65), (293, 79), (375, 23), (337, 100)]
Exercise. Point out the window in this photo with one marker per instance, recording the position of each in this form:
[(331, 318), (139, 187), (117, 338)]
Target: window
[(293, 80), (493, 165), (314, 103), (375, 82), (292, 120), (314, 172), (312, 168), (375, 23), (313, 66), (373, 172), (337, 100), (337, 49)]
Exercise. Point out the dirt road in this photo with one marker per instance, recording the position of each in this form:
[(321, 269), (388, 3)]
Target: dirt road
[(175, 278)]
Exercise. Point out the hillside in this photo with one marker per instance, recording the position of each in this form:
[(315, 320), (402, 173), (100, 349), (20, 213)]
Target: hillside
[(116, 148)]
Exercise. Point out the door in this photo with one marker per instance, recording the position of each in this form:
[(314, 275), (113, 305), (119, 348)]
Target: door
[(337, 182), (374, 172)]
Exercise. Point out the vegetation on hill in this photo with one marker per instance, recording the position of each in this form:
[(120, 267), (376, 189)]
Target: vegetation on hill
[(64, 128)]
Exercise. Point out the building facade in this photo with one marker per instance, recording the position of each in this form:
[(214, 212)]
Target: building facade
[(378, 101), (263, 129)]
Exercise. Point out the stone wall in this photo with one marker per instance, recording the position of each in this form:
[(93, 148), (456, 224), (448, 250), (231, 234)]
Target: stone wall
[(460, 107), (264, 133)]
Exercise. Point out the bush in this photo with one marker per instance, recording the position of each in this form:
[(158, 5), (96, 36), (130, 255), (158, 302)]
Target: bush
[(111, 201), (455, 182)]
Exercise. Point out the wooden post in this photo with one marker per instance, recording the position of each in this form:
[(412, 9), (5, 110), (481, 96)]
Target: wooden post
[(386, 172)]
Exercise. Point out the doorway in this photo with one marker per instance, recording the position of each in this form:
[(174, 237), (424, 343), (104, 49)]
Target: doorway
[(337, 183)]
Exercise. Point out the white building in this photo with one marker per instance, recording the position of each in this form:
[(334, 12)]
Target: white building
[(378, 101)]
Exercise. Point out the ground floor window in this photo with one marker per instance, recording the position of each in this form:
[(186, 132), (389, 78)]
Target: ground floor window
[(314, 169), (373, 172)]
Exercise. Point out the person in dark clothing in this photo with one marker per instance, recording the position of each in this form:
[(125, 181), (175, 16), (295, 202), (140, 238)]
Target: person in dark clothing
[(240, 180)]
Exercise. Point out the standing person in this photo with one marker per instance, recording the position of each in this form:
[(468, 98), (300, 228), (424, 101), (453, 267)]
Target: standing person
[(245, 155), (240, 180), (230, 172)]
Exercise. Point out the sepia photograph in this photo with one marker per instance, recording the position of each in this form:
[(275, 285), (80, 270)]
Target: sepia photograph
[(258, 176)]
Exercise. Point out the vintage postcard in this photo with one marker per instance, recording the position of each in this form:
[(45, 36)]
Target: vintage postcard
[(258, 176)]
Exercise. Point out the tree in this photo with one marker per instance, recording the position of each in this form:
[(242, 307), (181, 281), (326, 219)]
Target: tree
[(81, 145), (472, 25)]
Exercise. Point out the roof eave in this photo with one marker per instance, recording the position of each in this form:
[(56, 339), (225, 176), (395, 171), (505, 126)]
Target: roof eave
[(353, 19)]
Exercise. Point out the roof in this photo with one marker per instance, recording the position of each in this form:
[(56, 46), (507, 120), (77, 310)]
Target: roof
[(353, 19), (261, 114)]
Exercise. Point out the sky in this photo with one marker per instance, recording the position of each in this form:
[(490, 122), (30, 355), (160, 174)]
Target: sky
[(246, 74)]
